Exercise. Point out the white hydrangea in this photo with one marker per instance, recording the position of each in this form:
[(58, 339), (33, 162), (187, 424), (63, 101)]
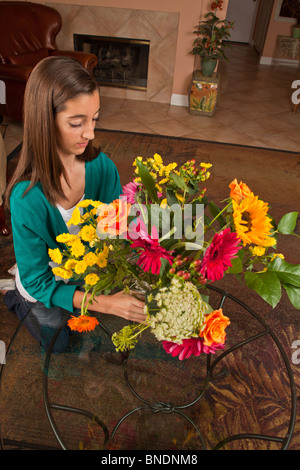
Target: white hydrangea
[(181, 312)]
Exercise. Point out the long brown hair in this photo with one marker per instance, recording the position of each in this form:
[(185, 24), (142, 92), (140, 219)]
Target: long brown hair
[(52, 82)]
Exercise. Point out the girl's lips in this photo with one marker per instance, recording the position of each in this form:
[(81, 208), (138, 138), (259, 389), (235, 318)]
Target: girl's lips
[(82, 145)]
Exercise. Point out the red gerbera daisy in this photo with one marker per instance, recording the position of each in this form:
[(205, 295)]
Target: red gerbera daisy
[(218, 256), (150, 251)]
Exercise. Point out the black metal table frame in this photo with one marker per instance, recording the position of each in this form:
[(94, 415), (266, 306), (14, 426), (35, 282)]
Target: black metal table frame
[(162, 407)]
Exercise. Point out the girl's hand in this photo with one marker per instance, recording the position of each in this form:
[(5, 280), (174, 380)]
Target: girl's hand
[(122, 305)]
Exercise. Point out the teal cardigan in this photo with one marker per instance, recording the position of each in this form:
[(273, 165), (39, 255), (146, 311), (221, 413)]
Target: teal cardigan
[(36, 224)]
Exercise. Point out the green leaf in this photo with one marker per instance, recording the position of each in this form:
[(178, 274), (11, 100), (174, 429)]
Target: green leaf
[(288, 223), (266, 284), (179, 181), (237, 266), (287, 273), (164, 267), (147, 180), (171, 198), (293, 294)]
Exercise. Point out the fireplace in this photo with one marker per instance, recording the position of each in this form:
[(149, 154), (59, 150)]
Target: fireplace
[(122, 62)]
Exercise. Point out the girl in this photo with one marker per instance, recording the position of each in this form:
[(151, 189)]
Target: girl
[(57, 169)]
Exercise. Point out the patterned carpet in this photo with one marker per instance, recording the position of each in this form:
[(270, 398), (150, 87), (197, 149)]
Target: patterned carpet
[(253, 397)]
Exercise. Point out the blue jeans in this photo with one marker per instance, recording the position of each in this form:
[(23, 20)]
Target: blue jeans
[(41, 322)]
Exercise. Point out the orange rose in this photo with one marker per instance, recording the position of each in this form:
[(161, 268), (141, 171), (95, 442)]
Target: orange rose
[(239, 191), (112, 218), (214, 328)]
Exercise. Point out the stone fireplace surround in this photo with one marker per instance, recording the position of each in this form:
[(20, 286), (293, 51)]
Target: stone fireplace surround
[(161, 28)]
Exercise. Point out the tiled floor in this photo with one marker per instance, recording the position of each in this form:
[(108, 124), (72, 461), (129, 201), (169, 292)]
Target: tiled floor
[(254, 109)]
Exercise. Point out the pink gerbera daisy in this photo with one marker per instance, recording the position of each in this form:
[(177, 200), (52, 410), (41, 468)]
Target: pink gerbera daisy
[(130, 190), (190, 347), (218, 256)]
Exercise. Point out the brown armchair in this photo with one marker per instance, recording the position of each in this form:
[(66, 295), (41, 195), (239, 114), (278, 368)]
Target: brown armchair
[(27, 35)]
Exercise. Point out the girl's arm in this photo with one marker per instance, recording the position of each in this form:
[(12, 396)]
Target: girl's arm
[(122, 305)]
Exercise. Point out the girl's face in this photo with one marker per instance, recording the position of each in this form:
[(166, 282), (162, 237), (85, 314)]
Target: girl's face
[(76, 123)]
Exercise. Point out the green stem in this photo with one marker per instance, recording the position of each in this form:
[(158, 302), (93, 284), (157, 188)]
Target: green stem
[(140, 330), (217, 216), (84, 309)]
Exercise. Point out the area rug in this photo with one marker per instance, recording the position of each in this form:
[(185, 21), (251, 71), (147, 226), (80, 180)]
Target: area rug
[(253, 397)]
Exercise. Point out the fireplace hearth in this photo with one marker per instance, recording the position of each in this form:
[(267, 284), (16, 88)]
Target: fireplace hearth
[(122, 62)]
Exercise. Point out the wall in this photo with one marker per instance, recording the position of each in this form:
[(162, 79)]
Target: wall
[(190, 12)]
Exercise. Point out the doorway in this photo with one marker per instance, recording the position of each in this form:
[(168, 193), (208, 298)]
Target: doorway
[(243, 13), (252, 18)]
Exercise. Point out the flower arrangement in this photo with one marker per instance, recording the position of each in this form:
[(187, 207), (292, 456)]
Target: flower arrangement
[(163, 237), (211, 33)]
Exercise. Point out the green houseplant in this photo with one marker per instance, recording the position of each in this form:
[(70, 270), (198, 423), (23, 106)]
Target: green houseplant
[(209, 44)]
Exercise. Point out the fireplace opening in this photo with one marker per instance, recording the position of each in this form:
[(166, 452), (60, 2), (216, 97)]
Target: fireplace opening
[(122, 62)]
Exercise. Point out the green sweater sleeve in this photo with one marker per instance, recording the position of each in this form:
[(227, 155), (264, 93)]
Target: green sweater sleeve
[(36, 224)]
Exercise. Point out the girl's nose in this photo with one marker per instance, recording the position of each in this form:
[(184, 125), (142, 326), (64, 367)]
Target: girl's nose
[(88, 130)]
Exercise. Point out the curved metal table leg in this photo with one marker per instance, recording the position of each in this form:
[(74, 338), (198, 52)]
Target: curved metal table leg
[(162, 407)]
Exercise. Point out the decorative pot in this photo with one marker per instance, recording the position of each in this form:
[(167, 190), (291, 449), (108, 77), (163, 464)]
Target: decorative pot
[(208, 66), (296, 31), (204, 93)]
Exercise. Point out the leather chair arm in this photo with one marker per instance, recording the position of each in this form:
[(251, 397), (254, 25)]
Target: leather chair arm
[(89, 61), (19, 73)]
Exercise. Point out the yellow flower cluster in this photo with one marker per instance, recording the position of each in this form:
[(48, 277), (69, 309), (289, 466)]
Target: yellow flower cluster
[(156, 169), (76, 258)]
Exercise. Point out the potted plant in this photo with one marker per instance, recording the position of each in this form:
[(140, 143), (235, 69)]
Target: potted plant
[(209, 44), (294, 8)]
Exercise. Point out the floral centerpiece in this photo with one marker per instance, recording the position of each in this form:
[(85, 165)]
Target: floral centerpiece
[(165, 238), (211, 33)]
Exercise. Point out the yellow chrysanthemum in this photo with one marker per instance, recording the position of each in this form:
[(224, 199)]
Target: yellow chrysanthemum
[(258, 250), (70, 264), (80, 267), (91, 279), (66, 238), (251, 221), (102, 260), (90, 258), (55, 255), (75, 219), (77, 249), (85, 203), (61, 272), (87, 233)]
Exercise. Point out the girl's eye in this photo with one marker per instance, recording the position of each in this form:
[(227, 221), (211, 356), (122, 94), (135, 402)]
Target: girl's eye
[(75, 125)]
